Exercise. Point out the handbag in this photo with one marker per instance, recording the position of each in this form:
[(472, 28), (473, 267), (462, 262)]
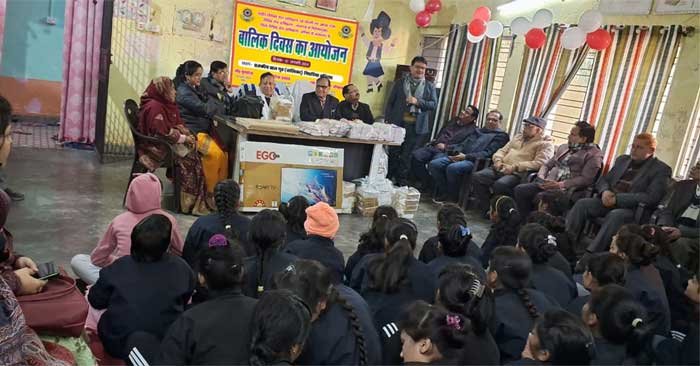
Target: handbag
[(60, 309)]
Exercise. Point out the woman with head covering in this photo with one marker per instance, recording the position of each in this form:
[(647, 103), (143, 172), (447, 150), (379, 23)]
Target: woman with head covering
[(159, 116)]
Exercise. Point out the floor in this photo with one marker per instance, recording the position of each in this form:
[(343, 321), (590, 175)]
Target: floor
[(71, 198), (41, 135)]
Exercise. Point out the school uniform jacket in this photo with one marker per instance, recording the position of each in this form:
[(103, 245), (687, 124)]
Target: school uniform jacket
[(431, 250), (276, 262), (422, 285), (655, 302), (553, 283), (215, 332), (320, 249), (205, 227)]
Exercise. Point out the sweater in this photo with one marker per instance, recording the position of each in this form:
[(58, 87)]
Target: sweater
[(523, 155)]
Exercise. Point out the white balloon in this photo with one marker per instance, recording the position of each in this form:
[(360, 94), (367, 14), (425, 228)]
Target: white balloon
[(494, 29), (543, 18), (520, 26), (590, 21), (417, 5), (475, 39), (573, 38)]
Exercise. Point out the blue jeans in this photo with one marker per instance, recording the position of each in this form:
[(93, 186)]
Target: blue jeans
[(448, 176), (420, 158)]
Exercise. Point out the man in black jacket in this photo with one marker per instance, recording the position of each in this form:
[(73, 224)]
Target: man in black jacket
[(216, 86), (637, 177), (680, 218), (351, 108), (319, 103)]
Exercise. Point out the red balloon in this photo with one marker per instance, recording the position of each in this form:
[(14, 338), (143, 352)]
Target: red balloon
[(477, 27), (423, 18), (599, 40), (433, 6), (483, 13), (535, 38)]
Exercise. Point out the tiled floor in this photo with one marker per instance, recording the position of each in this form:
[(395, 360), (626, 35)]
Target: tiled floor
[(71, 198), (35, 134)]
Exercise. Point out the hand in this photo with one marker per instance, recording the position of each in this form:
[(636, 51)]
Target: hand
[(507, 169), (608, 199), (440, 146), (190, 140), (412, 100), (497, 166), (28, 284), (458, 157), (673, 232), (527, 353), (550, 185), (26, 262)]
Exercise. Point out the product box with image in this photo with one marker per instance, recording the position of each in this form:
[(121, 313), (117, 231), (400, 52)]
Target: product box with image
[(274, 173)]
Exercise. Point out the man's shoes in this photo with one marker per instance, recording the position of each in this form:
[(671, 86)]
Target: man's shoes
[(15, 196)]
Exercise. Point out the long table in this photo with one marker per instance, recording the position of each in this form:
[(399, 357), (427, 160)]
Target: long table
[(359, 155)]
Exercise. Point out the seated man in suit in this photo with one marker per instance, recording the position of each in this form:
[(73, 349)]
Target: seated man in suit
[(680, 218), (351, 108), (319, 103), (574, 165), (635, 178), (449, 171), (526, 152), (450, 137)]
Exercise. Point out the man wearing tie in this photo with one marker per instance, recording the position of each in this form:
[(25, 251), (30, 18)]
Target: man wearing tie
[(319, 103)]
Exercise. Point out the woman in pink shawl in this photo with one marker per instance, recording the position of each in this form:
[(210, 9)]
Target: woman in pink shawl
[(159, 117)]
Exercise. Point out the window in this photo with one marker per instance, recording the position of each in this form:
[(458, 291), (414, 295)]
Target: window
[(435, 52), (690, 151), (503, 56), (567, 111), (667, 90)]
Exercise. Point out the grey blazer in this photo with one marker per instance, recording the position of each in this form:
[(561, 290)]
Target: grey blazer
[(649, 186)]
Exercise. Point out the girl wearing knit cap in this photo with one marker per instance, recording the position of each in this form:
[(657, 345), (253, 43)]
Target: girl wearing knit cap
[(217, 331), (321, 226)]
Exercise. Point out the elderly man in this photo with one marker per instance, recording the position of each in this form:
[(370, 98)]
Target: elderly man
[(409, 105), (319, 103), (635, 178), (575, 165), (449, 137), (351, 108), (448, 172), (525, 153)]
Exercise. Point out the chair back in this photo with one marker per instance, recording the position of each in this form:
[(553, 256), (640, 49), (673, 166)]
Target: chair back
[(131, 110)]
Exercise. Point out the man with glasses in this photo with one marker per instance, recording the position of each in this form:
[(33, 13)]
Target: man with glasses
[(409, 105), (450, 136), (216, 85), (449, 171), (319, 103)]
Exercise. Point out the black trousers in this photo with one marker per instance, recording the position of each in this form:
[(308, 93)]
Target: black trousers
[(400, 156)]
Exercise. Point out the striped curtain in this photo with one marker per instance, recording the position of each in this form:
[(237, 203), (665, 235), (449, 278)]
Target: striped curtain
[(627, 84), (468, 75), (544, 73)]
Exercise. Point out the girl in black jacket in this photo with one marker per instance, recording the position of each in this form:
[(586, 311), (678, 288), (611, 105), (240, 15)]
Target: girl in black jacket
[(602, 269), (371, 241), (541, 245), (217, 331), (506, 225), (454, 243), (448, 215), (281, 325), (267, 233), (294, 212)]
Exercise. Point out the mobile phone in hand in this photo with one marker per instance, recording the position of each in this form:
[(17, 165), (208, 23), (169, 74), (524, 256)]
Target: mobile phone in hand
[(46, 270)]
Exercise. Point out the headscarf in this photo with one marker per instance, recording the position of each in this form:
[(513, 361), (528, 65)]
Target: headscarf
[(155, 103)]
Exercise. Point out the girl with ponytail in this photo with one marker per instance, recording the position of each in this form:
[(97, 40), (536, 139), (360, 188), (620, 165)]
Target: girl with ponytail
[(643, 279), (294, 212), (602, 269), (558, 338), (218, 330), (454, 242), (197, 110), (342, 332), (462, 291), (371, 241), (281, 326), (448, 215), (506, 221), (541, 246), (227, 221), (267, 233), (517, 306)]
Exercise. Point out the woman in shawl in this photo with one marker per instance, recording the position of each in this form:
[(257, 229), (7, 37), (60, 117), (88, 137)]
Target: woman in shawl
[(159, 116)]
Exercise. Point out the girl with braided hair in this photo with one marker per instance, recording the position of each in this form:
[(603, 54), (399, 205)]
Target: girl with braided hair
[(342, 332), (281, 325), (506, 221), (371, 241), (517, 306), (227, 221), (267, 233), (462, 291), (541, 246), (216, 331)]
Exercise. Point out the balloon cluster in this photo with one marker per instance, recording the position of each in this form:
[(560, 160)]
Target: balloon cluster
[(482, 26), (424, 11), (588, 31), (535, 37)]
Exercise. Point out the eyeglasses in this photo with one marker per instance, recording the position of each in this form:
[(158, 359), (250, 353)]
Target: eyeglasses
[(322, 86)]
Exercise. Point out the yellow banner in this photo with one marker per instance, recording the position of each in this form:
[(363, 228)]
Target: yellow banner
[(291, 45)]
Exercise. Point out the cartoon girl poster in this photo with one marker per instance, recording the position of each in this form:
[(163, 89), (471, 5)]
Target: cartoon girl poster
[(379, 28)]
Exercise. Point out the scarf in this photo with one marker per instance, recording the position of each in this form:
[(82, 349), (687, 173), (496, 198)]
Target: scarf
[(155, 103), (564, 172), (412, 88)]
